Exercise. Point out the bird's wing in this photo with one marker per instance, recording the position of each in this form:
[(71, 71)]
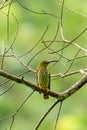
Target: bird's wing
[(49, 81), (37, 77)]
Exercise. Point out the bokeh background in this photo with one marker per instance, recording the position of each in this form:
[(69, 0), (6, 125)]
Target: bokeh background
[(31, 26)]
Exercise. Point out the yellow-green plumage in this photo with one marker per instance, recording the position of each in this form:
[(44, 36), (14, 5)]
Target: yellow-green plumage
[(43, 76)]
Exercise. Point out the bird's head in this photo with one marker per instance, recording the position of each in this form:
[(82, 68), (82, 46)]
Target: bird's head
[(46, 62)]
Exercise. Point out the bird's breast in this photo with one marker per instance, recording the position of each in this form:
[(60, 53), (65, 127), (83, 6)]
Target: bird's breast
[(43, 78)]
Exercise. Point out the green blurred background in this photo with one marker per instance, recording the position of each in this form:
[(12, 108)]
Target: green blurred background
[(31, 26)]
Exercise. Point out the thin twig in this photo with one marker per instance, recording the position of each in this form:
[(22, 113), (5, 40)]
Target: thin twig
[(72, 61), (54, 38), (60, 106), (35, 12), (65, 95), (17, 110), (79, 57), (19, 61), (67, 41), (3, 55), (32, 49), (52, 41), (2, 5), (19, 107), (60, 55), (15, 33), (8, 24), (76, 12), (71, 42), (41, 49), (7, 89), (45, 114), (5, 82), (61, 15), (68, 74)]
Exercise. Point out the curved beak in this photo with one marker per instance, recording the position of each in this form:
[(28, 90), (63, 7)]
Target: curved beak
[(49, 61)]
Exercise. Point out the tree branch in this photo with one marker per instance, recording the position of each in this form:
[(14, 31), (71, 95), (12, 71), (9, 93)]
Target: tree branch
[(81, 71), (59, 96)]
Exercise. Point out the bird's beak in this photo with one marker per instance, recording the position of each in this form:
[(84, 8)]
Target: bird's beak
[(49, 61)]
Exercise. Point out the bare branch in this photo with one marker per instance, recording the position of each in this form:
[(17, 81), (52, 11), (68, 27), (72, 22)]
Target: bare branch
[(35, 12), (60, 106), (63, 96), (71, 42), (45, 114), (17, 110), (44, 33), (9, 7), (19, 61), (69, 74), (72, 61), (15, 34), (74, 11), (57, 46), (7, 89), (3, 55), (60, 96), (19, 107)]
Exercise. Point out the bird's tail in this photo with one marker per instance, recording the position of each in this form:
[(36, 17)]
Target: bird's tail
[(45, 96)]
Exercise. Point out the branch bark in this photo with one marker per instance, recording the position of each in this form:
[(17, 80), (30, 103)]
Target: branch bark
[(59, 96)]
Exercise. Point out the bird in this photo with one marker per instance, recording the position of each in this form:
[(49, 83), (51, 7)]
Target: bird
[(43, 76)]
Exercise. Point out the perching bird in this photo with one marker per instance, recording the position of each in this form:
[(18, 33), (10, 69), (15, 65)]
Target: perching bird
[(43, 76)]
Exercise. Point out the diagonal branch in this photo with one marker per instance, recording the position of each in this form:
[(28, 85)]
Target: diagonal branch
[(63, 96), (59, 96)]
